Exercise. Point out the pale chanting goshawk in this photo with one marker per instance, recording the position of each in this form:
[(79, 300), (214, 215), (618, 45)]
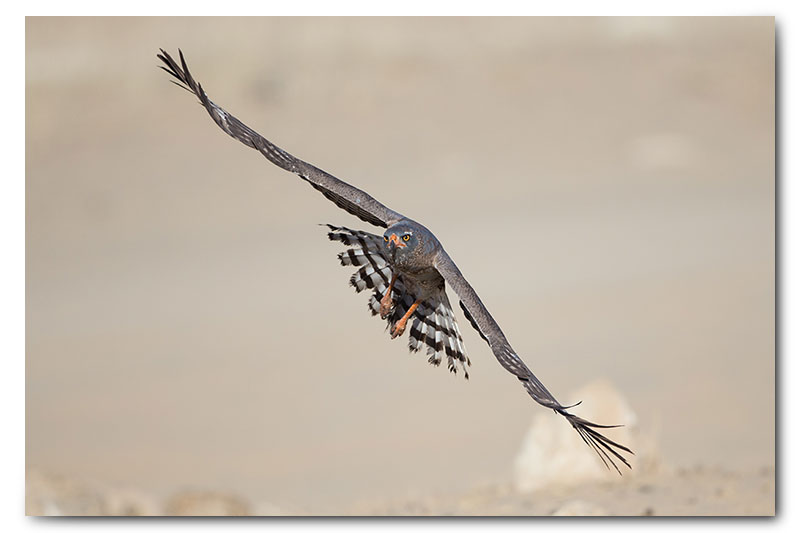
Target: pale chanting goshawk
[(406, 268)]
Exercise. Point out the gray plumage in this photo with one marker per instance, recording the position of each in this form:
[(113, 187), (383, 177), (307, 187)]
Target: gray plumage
[(406, 268)]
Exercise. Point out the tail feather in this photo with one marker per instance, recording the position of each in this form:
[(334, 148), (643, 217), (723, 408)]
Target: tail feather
[(434, 328)]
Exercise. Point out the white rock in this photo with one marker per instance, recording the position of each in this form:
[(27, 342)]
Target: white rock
[(553, 453)]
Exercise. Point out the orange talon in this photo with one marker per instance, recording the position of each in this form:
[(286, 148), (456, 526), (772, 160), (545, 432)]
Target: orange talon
[(386, 301), (400, 327)]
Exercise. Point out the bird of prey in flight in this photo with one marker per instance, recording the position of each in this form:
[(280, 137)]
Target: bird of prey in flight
[(406, 269)]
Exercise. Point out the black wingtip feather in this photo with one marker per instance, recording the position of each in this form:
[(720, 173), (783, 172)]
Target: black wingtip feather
[(181, 85), (179, 72), (601, 444)]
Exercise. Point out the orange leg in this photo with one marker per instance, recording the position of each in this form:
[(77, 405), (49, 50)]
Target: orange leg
[(400, 327), (386, 301)]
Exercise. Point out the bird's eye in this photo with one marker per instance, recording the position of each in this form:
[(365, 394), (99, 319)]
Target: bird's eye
[(406, 237), (385, 238)]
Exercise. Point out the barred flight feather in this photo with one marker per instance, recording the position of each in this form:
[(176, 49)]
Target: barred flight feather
[(434, 329), (371, 276)]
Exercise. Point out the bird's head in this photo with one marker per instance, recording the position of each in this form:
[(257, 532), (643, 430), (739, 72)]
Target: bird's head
[(400, 241)]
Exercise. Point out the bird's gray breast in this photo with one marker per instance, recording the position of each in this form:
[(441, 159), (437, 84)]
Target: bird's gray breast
[(422, 280), (424, 283)]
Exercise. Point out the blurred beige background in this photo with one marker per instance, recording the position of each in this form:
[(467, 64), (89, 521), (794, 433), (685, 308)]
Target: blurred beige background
[(607, 185)]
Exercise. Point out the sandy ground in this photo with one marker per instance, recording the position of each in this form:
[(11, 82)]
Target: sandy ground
[(696, 492), (683, 492), (607, 186)]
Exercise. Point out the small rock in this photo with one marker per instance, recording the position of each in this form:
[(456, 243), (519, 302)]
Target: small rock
[(54, 495), (206, 503), (580, 508)]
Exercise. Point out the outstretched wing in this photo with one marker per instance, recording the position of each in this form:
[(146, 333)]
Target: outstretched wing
[(490, 331), (349, 198)]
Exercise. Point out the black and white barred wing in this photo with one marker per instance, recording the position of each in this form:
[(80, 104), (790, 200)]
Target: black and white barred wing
[(353, 200), (490, 331), (433, 327), (364, 251)]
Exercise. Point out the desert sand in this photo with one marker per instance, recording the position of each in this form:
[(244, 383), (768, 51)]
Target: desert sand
[(695, 492)]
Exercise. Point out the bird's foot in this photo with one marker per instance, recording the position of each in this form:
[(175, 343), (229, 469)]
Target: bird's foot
[(386, 305), (399, 328), (386, 301)]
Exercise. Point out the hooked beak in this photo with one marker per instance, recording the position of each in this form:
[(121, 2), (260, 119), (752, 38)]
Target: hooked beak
[(394, 242)]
